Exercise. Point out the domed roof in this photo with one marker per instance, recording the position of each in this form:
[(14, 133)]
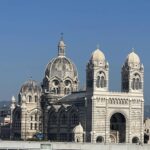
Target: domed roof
[(78, 129), (31, 86), (98, 55), (133, 58), (61, 67)]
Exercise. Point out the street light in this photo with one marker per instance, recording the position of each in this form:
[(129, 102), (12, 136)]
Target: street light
[(85, 104)]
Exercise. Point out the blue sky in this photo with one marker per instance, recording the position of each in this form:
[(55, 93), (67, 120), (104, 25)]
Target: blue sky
[(30, 31)]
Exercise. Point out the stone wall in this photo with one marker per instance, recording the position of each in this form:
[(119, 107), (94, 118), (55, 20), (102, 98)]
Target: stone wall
[(71, 146)]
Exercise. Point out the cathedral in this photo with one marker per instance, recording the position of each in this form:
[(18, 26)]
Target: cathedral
[(58, 111)]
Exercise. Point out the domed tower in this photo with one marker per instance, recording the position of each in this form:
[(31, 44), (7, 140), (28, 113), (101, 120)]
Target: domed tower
[(97, 72), (61, 76), (31, 113), (132, 74), (32, 92), (78, 133)]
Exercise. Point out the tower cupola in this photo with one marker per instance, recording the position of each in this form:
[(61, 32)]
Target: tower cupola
[(61, 47)]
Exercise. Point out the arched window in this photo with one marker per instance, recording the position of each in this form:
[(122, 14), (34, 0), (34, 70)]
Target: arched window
[(31, 126), (135, 140), (147, 130), (40, 126), (34, 121), (36, 98), (101, 80), (40, 118), (67, 84), (56, 90), (98, 82), (53, 119), (35, 126), (133, 84), (67, 91), (30, 98), (136, 82), (35, 117), (63, 119), (99, 139), (74, 119), (56, 87), (118, 125)]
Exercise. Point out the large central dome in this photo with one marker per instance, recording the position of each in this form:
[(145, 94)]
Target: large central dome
[(61, 76), (61, 67)]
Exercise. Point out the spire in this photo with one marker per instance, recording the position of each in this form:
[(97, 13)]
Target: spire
[(61, 46)]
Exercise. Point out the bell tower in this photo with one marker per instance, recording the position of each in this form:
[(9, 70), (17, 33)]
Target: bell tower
[(97, 72), (132, 74)]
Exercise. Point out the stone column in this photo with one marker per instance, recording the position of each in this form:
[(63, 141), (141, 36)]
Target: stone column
[(129, 134), (45, 123), (23, 118), (93, 137), (142, 121), (23, 123), (107, 124), (12, 107)]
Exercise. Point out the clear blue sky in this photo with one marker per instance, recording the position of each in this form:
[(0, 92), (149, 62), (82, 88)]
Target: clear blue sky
[(30, 31)]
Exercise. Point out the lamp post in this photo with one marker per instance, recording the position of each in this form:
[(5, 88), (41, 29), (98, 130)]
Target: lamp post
[(12, 107), (11, 121), (85, 105)]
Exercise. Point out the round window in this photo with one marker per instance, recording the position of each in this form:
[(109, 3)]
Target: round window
[(55, 82), (67, 83)]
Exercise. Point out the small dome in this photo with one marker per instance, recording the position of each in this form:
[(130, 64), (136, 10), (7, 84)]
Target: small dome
[(98, 55), (78, 129), (133, 58), (31, 86)]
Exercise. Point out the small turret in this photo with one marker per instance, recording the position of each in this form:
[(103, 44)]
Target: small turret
[(61, 47), (13, 103)]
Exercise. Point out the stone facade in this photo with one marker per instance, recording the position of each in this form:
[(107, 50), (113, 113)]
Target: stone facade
[(58, 111)]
